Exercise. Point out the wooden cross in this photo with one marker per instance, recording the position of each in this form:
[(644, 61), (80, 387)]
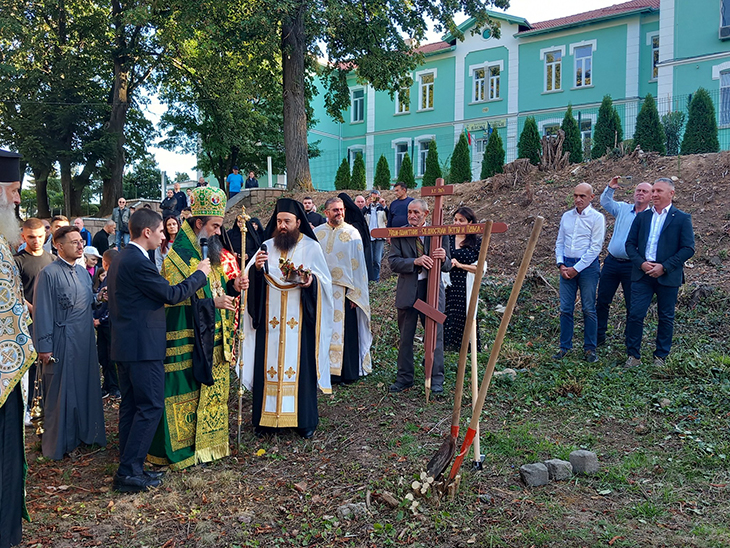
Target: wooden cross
[(430, 307)]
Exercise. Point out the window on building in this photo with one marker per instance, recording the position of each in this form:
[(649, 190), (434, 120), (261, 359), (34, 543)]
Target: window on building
[(583, 60), (553, 62), (480, 84), (551, 130), (479, 146), (585, 129), (403, 101), (654, 57), (401, 149), (494, 74), (725, 13), (357, 105), (426, 84), (725, 98), (422, 155)]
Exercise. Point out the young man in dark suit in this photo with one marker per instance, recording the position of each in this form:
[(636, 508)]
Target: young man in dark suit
[(137, 295), (410, 259), (661, 239)]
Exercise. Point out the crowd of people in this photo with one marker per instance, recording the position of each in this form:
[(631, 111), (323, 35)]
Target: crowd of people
[(153, 310)]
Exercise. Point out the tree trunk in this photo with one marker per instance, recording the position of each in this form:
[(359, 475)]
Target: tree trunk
[(41, 190), (293, 48), (112, 189)]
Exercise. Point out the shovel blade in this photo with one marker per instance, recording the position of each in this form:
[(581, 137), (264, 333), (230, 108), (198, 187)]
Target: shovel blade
[(441, 460)]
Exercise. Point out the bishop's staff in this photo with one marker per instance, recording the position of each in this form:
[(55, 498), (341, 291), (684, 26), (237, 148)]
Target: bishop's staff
[(243, 219)]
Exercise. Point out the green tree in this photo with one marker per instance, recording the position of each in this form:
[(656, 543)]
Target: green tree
[(144, 179), (608, 132), (433, 168), (405, 174), (382, 174), (701, 133), (529, 144), (358, 180), (672, 123), (493, 159), (649, 134), (572, 143), (342, 177), (461, 161)]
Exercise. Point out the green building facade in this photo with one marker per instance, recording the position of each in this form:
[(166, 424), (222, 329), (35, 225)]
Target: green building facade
[(667, 48)]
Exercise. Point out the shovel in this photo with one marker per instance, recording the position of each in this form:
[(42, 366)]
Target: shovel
[(443, 456), (506, 317)]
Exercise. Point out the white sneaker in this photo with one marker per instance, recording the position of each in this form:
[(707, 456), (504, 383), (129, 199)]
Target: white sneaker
[(27, 419)]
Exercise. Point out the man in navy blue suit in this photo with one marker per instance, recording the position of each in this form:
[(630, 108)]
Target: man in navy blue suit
[(661, 239), (137, 295)]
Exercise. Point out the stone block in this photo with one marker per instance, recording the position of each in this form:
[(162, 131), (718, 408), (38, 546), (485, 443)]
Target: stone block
[(584, 462), (352, 510), (559, 470), (535, 474)]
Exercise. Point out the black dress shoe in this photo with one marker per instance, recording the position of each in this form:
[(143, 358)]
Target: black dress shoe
[(134, 484), (156, 474), (306, 433), (560, 354), (590, 356), (395, 388)]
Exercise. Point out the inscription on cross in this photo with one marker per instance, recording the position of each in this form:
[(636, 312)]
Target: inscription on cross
[(430, 307)]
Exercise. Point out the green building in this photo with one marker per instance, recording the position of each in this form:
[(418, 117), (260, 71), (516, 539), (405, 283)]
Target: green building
[(667, 48)]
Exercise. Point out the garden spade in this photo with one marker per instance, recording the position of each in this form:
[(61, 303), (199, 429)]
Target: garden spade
[(443, 456), (506, 317)]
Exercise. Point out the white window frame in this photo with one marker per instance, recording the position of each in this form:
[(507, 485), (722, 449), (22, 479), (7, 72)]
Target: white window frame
[(420, 169), (543, 57), (650, 37), (480, 146), (353, 108), (352, 153), (582, 62), (399, 155), (548, 123), (422, 86), (723, 107), (401, 108), (487, 87)]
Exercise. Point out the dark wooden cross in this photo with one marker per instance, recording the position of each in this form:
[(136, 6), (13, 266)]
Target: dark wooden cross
[(437, 229)]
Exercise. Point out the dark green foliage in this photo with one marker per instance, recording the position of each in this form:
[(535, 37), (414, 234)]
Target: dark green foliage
[(405, 175), (342, 179), (673, 122), (701, 133), (143, 181), (357, 180), (382, 174), (572, 141), (608, 132), (493, 159), (433, 168), (461, 162), (649, 135), (529, 144)]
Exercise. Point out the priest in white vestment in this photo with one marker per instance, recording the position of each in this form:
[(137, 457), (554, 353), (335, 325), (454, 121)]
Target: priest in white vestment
[(287, 325), (349, 349)]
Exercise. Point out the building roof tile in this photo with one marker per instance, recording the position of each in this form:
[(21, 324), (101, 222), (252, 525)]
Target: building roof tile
[(602, 13)]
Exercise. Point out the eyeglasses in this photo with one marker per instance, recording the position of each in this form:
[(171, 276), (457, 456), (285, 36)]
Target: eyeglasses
[(75, 243)]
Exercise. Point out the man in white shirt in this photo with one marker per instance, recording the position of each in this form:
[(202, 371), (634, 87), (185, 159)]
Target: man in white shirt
[(580, 239)]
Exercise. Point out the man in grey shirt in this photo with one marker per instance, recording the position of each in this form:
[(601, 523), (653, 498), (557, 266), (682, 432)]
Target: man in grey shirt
[(617, 266)]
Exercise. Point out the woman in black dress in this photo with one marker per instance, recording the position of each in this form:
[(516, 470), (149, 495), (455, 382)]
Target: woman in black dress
[(464, 252)]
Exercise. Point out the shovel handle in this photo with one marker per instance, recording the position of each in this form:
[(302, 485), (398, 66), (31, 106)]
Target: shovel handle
[(506, 317)]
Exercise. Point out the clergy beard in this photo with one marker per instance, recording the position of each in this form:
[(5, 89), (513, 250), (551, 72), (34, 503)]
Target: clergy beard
[(215, 247), (285, 241), (9, 226)]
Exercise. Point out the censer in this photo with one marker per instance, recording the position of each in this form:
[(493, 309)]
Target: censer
[(36, 411)]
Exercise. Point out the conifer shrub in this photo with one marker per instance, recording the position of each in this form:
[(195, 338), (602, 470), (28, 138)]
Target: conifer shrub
[(342, 178), (608, 132), (572, 141), (382, 174), (461, 162), (701, 133), (357, 179), (405, 174), (672, 123), (649, 134), (493, 159), (433, 168), (529, 144)]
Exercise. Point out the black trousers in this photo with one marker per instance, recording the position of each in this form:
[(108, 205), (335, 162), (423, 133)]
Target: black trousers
[(108, 367), (142, 385), (615, 272), (12, 458)]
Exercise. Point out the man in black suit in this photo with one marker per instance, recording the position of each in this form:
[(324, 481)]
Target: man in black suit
[(409, 258), (137, 295), (661, 239)]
